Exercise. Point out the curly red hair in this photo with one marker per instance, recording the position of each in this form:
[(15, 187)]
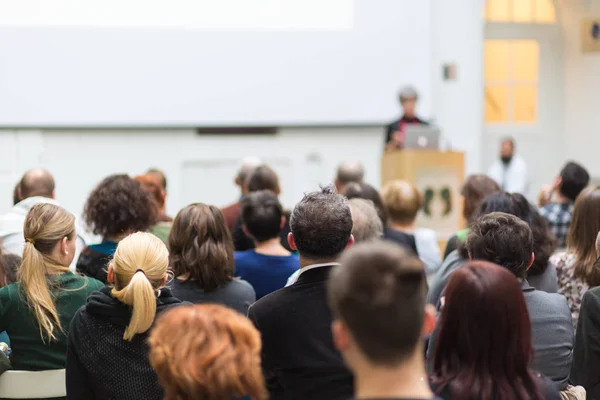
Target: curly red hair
[(207, 352)]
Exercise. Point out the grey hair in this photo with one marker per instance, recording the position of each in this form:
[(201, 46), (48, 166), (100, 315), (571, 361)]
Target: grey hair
[(350, 171), (408, 93), (367, 225)]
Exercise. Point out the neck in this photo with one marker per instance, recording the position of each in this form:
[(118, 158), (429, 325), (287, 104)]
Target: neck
[(560, 198), (270, 247), (115, 238), (408, 380), (305, 262), (402, 227)]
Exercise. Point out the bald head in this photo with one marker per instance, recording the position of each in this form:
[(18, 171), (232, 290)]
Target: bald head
[(348, 172), (36, 182), (247, 166)]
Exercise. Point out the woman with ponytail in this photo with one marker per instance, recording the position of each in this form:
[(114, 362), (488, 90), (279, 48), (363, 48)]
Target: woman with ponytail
[(107, 356), (36, 310)]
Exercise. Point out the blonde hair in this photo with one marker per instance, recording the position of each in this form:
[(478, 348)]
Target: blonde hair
[(402, 201), (45, 226), (139, 266), (207, 352)]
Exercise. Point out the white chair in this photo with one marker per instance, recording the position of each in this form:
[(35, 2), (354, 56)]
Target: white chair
[(33, 384)]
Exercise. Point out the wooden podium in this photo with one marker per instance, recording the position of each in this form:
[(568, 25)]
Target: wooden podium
[(439, 176)]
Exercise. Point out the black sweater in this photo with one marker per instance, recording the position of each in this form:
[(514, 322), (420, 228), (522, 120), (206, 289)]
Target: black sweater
[(100, 364)]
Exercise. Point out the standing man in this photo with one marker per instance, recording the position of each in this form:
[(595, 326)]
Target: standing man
[(510, 170), (397, 130)]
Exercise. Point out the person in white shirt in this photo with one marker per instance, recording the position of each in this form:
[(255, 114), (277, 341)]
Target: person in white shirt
[(36, 186), (510, 171)]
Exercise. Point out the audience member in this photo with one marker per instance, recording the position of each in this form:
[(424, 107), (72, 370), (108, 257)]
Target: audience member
[(9, 263), (207, 352), (231, 213), (396, 131), (348, 172), (17, 194), (542, 273), (484, 348), (368, 192), (36, 311), (299, 359), (268, 266), (158, 195), (201, 257), (159, 176), (510, 170), (572, 180), (115, 209), (575, 267), (37, 186), (508, 241), (403, 202), (378, 301), (262, 177), (474, 190), (107, 356)]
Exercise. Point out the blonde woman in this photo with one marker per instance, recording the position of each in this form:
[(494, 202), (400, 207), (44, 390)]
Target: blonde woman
[(107, 355), (207, 352), (36, 311)]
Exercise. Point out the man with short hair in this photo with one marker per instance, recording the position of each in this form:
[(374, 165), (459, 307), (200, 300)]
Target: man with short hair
[(348, 172), (381, 320), (36, 186), (231, 213), (510, 170), (299, 359), (508, 241), (572, 180), (267, 266)]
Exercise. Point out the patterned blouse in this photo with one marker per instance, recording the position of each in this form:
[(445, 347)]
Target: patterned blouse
[(569, 286)]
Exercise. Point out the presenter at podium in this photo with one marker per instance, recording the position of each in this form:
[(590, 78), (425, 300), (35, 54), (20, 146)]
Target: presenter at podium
[(396, 131)]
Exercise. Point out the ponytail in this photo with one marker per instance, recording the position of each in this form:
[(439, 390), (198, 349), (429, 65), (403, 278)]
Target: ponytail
[(140, 295)]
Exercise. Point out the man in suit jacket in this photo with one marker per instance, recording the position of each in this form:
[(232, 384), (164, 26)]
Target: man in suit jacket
[(298, 355), (231, 213), (507, 241)]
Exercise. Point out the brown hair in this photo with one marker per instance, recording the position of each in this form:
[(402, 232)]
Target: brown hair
[(207, 352), (475, 189), (150, 184), (402, 200), (379, 294), (262, 177), (581, 240), (201, 246)]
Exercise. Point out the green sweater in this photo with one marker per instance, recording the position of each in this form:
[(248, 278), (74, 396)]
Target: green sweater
[(29, 352)]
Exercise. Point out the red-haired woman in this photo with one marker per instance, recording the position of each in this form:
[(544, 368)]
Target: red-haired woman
[(484, 346)]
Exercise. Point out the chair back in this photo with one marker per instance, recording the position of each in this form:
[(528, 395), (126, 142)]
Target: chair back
[(33, 384)]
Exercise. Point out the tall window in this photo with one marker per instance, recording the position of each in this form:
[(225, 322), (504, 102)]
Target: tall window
[(520, 11), (511, 69)]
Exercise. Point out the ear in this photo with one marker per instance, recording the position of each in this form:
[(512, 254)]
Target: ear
[(246, 231), (163, 281), (278, 192), (430, 320), (531, 261), (282, 222), (63, 245), (341, 338), (53, 194), (237, 181), (292, 242), (111, 274), (163, 194), (557, 183), (350, 241)]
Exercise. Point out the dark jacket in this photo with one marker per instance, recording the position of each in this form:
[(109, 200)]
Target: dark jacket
[(404, 239), (100, 363), (299, 358), (394, 126), (585, 370), (94, 260)]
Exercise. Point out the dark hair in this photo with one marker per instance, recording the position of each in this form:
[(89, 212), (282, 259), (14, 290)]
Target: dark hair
[(321, 224), (365, 191), (487, 354), (36, 182), (544, 242), (9, 264), (16, 194), (502, 239), (379, 294), (200, 245), (159, 175), (581, 240), (262, 178), (574, 178), (474, 190), (119, 205), (261, 215)]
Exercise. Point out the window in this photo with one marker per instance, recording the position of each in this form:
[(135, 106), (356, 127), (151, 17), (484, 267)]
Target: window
[(511, 69), (520, 11)]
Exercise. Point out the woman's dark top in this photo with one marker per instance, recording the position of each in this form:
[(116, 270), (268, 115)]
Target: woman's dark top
[(241, 242), (100, 363), (405, 239), (237, 294), (395, 126), (94, 260)]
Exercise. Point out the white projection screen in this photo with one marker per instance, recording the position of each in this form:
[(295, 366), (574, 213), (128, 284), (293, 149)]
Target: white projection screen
[(216, 63)]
